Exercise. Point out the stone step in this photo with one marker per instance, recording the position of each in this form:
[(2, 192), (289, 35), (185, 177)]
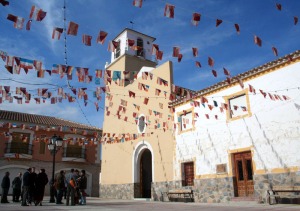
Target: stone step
[(241, 199)]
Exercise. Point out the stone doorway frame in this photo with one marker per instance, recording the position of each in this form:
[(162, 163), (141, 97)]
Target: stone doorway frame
[(136, 159)]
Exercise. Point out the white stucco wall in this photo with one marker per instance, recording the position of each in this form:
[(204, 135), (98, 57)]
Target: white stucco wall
[(273, 130)]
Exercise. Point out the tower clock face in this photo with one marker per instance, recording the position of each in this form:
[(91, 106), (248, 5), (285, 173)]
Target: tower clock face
[(141, 124)]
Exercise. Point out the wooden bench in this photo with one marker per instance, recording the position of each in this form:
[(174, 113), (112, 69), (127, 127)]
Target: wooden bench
[(274, 193), (185, 195)]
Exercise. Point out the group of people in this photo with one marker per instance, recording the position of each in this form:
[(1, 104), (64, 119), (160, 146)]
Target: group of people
[(73, 185), (31, 187)]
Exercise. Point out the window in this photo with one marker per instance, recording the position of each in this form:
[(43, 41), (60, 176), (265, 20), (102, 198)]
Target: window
[(238, 105), (186, 120), (75, 151), (20, 143), (141, 124), (140, 47), (42, 144), (118, 50), (188, 174)]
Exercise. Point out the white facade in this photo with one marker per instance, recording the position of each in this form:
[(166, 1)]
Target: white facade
[(270, 128)]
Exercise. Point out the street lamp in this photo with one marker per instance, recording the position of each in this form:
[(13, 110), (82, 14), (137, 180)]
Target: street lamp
[(54, 145)]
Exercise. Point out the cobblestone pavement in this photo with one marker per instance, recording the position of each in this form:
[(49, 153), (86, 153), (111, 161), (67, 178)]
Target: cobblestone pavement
[(94, 204)]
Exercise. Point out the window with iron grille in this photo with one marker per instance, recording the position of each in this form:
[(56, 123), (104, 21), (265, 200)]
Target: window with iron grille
[(75, 151), (20, 143)]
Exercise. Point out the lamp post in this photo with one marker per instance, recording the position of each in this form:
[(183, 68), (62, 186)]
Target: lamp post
[(54, 145)]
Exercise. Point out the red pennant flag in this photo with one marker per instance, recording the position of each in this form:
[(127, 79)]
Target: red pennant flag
[(275, 51), (204, 100), (137, 3), (198, 64), (271, 96), (131, 94), (195, 52), (169, 11), (196, 18), (56, 33), (176, 51), (28, 25), (179, 57), (226, 72), (225, 106), (257, 40), (146, 100), (214, 73), (295, 20), (155, 49), (218, 22), (210, 107), (9, 69), (101, 37), (228, 80), (237, 28), (37, 14), (87, 39), (278, 6), (18, 21), (159, 55), (285, 97), (251, 89), (207, 116), (211, 62), (263, 93), (4, 3), (241, 83), (72, 28)]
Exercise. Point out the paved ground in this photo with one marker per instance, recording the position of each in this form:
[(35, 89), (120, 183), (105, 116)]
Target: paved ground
[(94, 204)]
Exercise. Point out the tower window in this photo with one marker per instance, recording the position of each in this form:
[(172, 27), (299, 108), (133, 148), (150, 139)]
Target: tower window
[(140, 47), (118, 50)]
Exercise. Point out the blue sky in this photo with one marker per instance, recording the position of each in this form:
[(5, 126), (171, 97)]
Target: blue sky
[(237, 53)]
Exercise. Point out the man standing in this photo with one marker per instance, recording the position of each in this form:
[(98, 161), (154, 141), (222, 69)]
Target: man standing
[(70, 188), (5, 187), (60, 186), (32, 181), (82, 180), (16, 185), (26, 184)]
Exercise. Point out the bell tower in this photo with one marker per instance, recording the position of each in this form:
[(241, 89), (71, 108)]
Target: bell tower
[(133, 51)]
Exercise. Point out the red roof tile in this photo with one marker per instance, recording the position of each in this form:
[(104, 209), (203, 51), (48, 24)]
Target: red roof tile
[(42, 120)]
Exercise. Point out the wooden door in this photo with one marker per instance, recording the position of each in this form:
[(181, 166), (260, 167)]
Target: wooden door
[(189, 174), (244, 174)]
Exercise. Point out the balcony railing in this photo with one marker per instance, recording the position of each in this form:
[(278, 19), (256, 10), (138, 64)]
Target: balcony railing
[(19, 148)]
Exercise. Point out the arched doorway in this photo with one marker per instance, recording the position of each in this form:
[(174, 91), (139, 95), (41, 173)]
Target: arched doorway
[(145, 174), (143, 169)]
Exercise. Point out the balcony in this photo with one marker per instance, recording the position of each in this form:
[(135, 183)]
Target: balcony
[(18, 150)]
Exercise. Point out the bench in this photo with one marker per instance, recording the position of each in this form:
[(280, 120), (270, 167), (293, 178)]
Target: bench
[(274, 193), (185, 195)]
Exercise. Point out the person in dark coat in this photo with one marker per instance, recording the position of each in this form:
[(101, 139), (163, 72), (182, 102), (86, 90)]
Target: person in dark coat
[(5, 184), (41, 182), (82, 185), (26, 184), (16, 185), (32, 181), (60, 186)]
